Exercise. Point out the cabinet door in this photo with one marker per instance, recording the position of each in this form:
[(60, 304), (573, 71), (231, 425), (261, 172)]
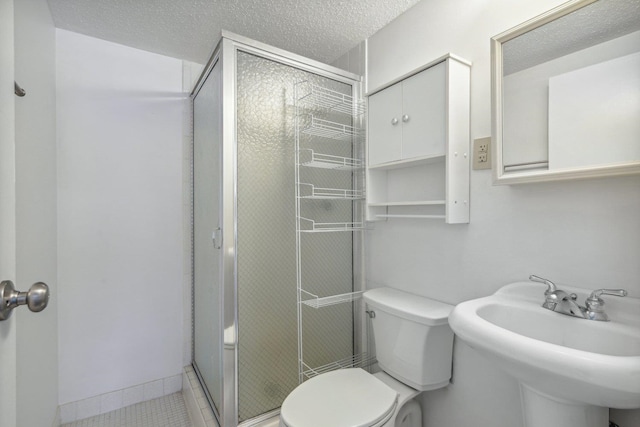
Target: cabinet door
[(423, 109), (385, 137)]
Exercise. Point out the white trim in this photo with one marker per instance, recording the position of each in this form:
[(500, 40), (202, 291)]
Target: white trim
[(283, 54), (114, 400), (195, 400), (500, 177), (419, 69)]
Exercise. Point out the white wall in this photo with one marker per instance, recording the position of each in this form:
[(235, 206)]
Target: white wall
[(35, 124), (585, 233), (120, 115)]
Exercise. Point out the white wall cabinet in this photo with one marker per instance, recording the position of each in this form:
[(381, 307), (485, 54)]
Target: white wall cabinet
[(407, 120), (419, 143)]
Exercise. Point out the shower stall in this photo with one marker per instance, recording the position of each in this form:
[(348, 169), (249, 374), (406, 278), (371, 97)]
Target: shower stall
[(278, 188)]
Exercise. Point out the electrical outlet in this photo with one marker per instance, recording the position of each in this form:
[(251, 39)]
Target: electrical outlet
[(482, 153)]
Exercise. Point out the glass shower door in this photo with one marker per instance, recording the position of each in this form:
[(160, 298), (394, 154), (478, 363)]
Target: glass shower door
[(248, 319), (207, 267), (267, 261)]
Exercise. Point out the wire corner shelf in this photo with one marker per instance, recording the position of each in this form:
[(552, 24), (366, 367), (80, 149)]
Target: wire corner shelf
[(315, 301), (330, 100), (329, 129), (310, 191), (310, 226), (361, 360), (313, 159)]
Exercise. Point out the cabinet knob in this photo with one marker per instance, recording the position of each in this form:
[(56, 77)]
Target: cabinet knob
[(394, 121), (405, 118)]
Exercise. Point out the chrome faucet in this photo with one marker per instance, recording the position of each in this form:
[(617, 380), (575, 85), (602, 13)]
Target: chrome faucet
[(561, 302)]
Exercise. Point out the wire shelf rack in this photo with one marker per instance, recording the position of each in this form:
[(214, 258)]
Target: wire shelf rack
[(311, 159), (361, 360), (315, 301), (310, 226), (330, 100), (322, 114), (310, 191), (329, 129)]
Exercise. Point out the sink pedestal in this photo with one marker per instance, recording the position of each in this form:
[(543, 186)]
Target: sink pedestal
[(541, 410)]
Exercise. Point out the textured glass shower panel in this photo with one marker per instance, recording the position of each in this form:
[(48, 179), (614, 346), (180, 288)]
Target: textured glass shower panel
[(266, 247), (206, 213)]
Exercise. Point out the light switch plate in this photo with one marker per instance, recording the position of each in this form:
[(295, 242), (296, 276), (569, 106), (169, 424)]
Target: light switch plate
[(482, 153)]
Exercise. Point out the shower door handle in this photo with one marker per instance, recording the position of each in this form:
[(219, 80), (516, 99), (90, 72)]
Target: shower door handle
[(216, 238), (36, 298)]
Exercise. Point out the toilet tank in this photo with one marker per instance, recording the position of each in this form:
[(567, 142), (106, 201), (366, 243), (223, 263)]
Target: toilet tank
[(413, 340)]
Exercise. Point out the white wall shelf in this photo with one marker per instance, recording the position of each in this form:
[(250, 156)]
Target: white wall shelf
[(405, 163), (411, 203), (410, 216), (418, 146)]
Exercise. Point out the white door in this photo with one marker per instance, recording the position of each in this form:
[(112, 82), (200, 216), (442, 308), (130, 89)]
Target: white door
[(385, 125), (7, 212), (423, 113), (28, 341)]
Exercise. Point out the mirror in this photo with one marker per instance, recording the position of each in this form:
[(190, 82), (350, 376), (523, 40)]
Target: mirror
[(566, 94)]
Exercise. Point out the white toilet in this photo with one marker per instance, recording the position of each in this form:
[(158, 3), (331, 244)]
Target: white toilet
[(413, 347)]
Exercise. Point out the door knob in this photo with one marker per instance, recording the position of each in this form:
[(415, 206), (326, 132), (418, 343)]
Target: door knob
[(36, 298)]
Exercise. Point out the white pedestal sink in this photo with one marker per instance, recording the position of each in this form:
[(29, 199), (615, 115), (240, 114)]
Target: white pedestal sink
[(570, 370)]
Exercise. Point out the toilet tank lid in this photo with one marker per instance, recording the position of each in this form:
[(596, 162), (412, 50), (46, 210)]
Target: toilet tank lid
[(409, 306)]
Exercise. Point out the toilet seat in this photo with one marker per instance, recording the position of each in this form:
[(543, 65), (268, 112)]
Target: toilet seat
[(344, 398)]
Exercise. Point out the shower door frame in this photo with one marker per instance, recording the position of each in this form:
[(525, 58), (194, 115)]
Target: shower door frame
[(226, 51)]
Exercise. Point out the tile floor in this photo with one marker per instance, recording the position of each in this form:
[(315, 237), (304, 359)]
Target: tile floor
[(166, 411)]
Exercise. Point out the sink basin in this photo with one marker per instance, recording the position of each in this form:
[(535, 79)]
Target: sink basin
[(568, 361), (544, 325)]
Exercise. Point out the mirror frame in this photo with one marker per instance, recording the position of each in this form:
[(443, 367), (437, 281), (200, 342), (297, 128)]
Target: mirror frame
[(526, 176)]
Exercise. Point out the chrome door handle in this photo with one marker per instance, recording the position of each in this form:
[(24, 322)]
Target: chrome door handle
[(36, 298), (216, 238)]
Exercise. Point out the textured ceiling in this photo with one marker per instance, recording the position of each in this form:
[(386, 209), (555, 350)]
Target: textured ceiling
[(188, 29), (593, 24)]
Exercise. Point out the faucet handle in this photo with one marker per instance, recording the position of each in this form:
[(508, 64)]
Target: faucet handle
[(551, 286), (595, 305), (616, 292)]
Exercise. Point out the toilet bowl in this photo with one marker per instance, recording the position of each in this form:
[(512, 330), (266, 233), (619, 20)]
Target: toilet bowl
[(413, 348)]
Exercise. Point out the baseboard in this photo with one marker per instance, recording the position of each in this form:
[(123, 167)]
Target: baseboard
[(107, 402), (57, 421)]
